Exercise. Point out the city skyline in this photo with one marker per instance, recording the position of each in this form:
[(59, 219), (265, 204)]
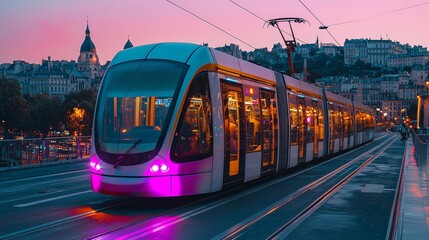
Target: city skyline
[(32, 31)]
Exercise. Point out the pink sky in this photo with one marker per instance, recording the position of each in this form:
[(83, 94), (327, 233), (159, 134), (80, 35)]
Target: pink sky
[(33, 30)]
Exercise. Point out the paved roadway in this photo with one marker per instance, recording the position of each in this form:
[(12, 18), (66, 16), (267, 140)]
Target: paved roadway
[(56, 202)]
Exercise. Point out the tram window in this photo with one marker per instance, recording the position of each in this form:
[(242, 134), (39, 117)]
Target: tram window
[(348, 123), (332, 121), (193, 138), (338, 126), (359, 121), (131, 108), (310, 121), (253, 118), (293, 121), (269, 127), (340, 123), (320, 121)]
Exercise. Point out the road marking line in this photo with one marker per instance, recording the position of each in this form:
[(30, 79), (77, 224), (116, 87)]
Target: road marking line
[(44, 176), (50, 199)]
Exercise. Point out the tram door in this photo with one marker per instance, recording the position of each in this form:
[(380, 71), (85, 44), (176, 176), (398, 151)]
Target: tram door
[(302, 128), (234, 133), (315, 127), (331, 128), (341, 127), (269, 131)]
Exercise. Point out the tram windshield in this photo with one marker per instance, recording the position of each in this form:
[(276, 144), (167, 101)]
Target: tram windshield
[(134, 103)]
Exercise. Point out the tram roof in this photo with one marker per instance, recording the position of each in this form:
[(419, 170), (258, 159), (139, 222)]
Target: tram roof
[(193, 54), (190, 53)]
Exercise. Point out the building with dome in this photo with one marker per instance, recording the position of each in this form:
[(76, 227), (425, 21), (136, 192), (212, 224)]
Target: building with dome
[(88, 58), (88, 72), (128, 44)]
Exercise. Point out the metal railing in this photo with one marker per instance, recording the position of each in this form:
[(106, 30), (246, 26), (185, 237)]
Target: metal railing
[(420, 146), (36, 151)]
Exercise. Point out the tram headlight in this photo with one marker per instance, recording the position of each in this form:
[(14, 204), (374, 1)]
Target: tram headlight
[(164, 168), (95, 165), (159, 167), (154, 168)]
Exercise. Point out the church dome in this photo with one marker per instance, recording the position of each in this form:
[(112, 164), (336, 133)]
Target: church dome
[(87, 45), (128, 44)]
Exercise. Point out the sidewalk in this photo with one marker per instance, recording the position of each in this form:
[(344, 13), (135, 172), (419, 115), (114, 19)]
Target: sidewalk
[(414, 217)]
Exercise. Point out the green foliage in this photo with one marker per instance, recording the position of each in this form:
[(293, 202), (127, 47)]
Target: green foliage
[(40, 114), (412, 111), (320, 65), (13, 106), (83, 100), (44, 114)]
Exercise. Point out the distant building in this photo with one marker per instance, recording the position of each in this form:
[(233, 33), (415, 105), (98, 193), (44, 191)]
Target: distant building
[(406, 60), (88, 65), (384, 53), (305, 49), (279, 51), (58, 78), (330, 49), (355, 49), (231, 49)]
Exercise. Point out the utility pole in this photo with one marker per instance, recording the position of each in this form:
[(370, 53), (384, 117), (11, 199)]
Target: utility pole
[(290, 44)]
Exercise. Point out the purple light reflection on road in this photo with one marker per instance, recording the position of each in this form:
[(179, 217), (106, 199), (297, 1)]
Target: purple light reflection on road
[(152, 227)]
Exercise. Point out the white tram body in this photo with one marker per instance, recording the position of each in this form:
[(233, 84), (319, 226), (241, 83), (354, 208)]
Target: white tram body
[(177, 119)]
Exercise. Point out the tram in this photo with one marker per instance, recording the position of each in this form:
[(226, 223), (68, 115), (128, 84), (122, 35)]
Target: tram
[(179, 119)]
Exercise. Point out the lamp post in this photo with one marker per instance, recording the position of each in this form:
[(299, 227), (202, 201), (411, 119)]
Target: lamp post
[(423, 107), (3, 127), (377, 117)]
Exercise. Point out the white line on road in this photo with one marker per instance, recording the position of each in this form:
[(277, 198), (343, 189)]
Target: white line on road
[(50, 199), (44, 176)]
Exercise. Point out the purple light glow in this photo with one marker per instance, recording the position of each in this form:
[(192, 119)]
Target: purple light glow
[(164, 168), (95, 166), (154, 168), (96, 182), (158, 167)]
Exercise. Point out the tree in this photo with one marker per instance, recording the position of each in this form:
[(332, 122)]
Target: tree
[(13, 107), (46, 114), (84, 100), (75, 120), (412, 111)]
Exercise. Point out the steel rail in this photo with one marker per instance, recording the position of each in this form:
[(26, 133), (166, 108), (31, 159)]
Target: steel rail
[(270, 210), (283, 231)]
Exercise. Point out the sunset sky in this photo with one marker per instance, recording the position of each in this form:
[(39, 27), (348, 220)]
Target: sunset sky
[(33, 30)]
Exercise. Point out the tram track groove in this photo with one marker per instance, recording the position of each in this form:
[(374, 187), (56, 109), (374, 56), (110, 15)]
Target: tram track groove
[(234, 234), (164, 224), (283, 231), (66, 220), (148, 230)]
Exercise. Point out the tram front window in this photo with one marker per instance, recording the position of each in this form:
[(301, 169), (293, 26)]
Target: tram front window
[(134, 103)]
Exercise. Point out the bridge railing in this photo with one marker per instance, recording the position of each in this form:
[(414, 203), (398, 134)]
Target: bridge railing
[(37, 151), (420, 146)]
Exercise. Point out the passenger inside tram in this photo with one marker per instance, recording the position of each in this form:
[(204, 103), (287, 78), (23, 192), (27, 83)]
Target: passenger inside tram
[(233, 135), (187, 134)]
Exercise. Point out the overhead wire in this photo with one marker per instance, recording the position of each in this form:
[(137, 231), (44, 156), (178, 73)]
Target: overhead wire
[(314, 15), (380, 14), (211, 24), (252, 13)]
